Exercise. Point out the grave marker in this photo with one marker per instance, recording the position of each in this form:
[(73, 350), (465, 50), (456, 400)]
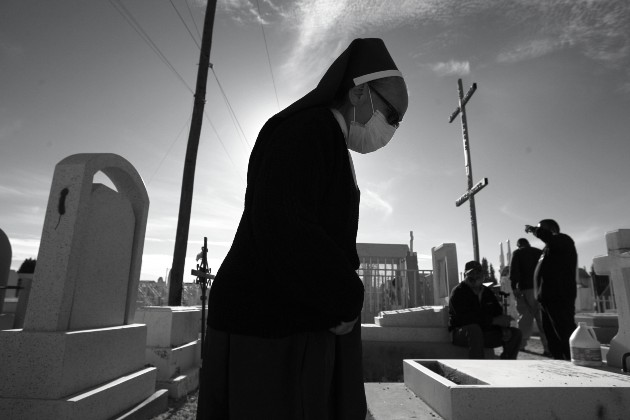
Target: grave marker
[(617, 266), (469, 195), (79, 355)]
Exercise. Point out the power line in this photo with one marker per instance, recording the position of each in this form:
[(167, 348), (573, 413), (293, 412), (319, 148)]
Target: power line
[(192, 18), (185, 24), (273, 81), (169, 149), (223, 145), (230, 109), (126, 14)]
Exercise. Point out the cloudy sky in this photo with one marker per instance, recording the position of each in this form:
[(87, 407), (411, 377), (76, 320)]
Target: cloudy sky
[(549, 123)]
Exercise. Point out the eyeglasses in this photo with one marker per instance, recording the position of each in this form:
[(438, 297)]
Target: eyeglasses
[(393, 117)]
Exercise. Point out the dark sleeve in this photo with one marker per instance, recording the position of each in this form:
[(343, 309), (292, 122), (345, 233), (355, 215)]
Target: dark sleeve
[(544, 235), (491, 305), (515, 270), (464, 309), (299, 164)]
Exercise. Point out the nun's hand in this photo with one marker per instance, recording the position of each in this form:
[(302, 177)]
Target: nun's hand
[(344, 328)]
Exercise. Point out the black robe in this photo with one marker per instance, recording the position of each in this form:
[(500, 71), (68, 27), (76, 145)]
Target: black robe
[(292, 265), (289, 276)]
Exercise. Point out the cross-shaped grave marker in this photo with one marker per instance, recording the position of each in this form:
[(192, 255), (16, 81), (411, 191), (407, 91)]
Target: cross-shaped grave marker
[(469, 195)]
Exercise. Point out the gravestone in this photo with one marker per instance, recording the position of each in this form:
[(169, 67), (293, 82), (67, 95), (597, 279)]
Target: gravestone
[(445, 272), (79, 355), (518, 389), (5, 264), (6, 320), (173, 346), (617, 266)]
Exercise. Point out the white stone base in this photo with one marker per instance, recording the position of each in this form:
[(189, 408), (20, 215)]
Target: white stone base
[(100, 403), (53, 365), (181, 385), (169, 326), (171, 362), (518, 389)]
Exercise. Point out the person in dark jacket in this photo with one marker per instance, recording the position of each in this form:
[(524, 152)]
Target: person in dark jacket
[(556, 286), (476, 319), (284, 340), (522, 266)]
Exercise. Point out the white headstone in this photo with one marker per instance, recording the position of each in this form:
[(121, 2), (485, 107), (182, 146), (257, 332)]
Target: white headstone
[(617, 266), (5, 265), (79, 354), (445, 272), (90, 255)]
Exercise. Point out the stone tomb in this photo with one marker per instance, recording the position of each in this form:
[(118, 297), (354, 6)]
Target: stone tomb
[(617, 266), (413, 333), (445, 273), (173, 346), (518, 389), (6, 320), (79, 354)]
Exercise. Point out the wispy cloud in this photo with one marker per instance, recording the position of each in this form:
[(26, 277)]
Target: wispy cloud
[(588, 234), (374, 201), (529, 50), (451, 68)]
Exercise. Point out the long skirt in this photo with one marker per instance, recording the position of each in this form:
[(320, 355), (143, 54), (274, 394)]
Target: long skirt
[(306, 376)]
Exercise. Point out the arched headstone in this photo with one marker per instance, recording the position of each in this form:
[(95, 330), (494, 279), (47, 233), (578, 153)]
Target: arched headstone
[(90, 255)]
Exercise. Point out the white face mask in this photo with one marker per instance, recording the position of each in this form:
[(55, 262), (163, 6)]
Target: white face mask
[(370, 137)]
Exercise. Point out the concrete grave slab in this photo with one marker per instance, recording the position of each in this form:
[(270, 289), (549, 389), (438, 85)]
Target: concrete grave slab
[(518, 389), (170, 326), (617, 266), (419, 317), (172, 362), (101, 402), (56, 364)]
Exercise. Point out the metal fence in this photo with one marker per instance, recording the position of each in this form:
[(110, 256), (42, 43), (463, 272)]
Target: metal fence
[(388, 289)]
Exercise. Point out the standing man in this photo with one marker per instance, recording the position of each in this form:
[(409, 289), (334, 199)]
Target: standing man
[(476, 318), (555, 285), (524, 261)]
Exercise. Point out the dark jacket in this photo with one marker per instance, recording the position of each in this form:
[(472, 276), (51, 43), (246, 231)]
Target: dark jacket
[(557, 269), (464, 307), (291, 267), (522, 267)]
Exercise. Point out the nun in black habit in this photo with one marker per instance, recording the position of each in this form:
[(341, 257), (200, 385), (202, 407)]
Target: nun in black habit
[(284, 331)]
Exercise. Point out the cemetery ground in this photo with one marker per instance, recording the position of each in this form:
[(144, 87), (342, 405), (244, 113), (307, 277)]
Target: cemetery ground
[(186, 407)]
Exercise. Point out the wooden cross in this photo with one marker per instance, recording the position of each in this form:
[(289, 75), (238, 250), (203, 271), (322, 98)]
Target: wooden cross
[(469, 195)]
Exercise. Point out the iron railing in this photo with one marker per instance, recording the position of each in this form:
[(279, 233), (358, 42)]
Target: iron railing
[(391, 289)]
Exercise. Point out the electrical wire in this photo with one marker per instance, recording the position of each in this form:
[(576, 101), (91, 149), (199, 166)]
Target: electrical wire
[(192, 18), (126, 14), (239, 129), (185, 24), (223, 145), (187, 123), (273, 81)]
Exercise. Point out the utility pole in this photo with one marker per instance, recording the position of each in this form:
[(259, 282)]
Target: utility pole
[(188, 180), (469, 195)]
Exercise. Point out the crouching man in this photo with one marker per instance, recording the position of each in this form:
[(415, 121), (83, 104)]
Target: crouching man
[(476, 318)]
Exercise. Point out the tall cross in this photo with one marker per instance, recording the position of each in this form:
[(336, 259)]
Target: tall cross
[(469, 195)]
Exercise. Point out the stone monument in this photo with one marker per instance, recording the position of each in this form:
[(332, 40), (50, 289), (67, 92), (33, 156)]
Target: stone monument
[(79, 355), (6, 254), (617, 266), (445, 272)]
